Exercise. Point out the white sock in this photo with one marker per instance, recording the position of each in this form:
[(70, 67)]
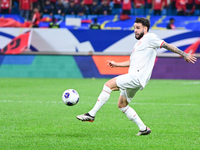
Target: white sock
[(133, 116), (102, 99)]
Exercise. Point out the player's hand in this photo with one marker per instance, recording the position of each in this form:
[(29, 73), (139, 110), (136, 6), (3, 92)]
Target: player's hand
[(111, 63), (190, 58)]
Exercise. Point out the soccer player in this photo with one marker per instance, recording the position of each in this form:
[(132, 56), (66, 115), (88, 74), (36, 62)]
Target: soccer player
[(140, 68)]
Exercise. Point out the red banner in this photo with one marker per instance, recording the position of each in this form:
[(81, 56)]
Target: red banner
[(17, 45), (193, 48), (9, 22)]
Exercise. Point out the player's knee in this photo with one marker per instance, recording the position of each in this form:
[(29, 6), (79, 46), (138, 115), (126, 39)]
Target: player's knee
[(122, 105), (113, 88), (107, 85), (112, 84), (122, 102)]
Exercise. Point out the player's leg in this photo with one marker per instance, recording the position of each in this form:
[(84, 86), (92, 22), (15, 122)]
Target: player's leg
[(128, 111), (108, 87), (131, 113), (128, 91)]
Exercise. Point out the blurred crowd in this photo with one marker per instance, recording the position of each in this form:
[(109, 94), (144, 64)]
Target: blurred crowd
[(29, 8)]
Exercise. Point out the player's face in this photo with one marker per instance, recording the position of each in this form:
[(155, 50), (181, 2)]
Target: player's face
[(139, 30)]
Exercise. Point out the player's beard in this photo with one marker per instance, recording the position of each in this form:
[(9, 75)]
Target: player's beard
[(140, 36)]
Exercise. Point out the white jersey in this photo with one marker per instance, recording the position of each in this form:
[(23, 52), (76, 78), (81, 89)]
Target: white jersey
[(143, 57)]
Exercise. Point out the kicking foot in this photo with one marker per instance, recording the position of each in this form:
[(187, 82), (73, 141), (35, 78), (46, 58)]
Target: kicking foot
[(145, 132), (85, 117)]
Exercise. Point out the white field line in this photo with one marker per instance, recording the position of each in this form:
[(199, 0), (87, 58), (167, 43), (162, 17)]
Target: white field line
[(111, 103)]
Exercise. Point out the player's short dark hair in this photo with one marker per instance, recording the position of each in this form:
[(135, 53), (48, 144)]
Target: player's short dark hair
[(144, 22)]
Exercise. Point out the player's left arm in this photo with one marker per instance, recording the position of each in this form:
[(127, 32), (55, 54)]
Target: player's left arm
[(188, 57)]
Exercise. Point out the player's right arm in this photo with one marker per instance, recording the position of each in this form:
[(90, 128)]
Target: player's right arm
[(118, 64)]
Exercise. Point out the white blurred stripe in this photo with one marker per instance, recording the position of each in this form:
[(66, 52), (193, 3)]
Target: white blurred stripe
[(191, 83), (111, 103)]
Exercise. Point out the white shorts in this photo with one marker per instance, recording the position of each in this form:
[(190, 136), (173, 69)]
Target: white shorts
[(128, 85)]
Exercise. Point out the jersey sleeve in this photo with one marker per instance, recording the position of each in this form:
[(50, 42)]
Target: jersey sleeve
[(156, 42)]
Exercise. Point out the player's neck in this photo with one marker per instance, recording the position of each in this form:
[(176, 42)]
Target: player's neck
[(143, 35)]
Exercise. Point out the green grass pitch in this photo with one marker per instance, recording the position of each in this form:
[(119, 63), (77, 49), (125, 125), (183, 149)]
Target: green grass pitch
[(33, 116)]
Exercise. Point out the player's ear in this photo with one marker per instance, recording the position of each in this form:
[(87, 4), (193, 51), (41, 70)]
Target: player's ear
[(145, 29)]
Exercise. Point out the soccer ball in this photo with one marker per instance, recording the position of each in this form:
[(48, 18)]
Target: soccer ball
[(70, 97)]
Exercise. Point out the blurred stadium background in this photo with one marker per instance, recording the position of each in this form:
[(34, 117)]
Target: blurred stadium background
[(57, 35)]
